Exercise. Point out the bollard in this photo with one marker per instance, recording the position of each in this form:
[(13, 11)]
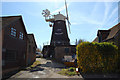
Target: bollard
[(77, 71)]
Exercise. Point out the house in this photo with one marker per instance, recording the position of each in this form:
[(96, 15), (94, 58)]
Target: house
[(110, 35), (14, 43), (31, 49), (18, 47)]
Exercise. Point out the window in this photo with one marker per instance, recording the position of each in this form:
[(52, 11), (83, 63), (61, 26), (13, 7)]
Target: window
[(29, 49), (59, 33), (13, 32), (3, 62), (34, 50), (66, 50), (59, 30), (21, 35), (59, 22), (10, 55), (58, 42)]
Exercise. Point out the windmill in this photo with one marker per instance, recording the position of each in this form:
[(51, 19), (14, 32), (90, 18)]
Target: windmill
[(59, 30)]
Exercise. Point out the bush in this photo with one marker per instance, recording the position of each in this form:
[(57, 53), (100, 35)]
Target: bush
[(97, 57)]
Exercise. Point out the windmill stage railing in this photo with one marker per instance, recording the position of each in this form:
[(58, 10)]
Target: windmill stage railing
[(50, 18), (71, 43)]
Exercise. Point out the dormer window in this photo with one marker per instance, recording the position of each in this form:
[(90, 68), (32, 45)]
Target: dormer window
[(102, 35), (13, 32), (21, 35)]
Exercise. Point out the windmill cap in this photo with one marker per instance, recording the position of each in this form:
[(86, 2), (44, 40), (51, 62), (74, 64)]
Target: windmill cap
[(59, 17)]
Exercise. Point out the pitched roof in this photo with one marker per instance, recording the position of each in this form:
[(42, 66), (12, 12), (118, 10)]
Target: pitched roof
[(95, 40), (112, 33), (32, 35), (6, 20)]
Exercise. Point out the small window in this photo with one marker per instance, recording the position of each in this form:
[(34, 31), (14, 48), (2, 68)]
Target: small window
[(34, 50), (59, 33), (59, 30), (21, 35), (3, 62), (59, 22), (66, 50), (58, 42), (29, 49), (13, 32)]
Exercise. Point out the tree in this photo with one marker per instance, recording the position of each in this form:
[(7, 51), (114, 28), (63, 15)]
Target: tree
[(38, 50), (80, 40)]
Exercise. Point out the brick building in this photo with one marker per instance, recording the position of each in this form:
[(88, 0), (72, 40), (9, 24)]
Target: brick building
[(31, 49), (15, 42)]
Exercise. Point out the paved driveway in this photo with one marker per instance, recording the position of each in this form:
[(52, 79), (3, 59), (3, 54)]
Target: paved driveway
[(47, 69)]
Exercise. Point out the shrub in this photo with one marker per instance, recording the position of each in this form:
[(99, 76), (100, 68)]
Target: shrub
[(97, 57)]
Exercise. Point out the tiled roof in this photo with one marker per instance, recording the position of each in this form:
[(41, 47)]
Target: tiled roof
[(96, 39), (112, 33), (6, 20), (32, 35)]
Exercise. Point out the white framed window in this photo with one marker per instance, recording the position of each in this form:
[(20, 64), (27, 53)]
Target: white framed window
[(59, 33), (21, 35), (13, 32), (59, 22), (59, 30)]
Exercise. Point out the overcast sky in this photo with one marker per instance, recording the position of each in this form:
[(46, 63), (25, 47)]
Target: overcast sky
[(85, 17)]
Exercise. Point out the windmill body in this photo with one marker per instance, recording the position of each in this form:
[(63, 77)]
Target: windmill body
[(59, 31)]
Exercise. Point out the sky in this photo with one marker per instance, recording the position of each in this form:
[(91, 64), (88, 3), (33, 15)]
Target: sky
[(86, 18)]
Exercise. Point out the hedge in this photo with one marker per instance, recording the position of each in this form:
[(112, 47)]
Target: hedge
[(97, 57)]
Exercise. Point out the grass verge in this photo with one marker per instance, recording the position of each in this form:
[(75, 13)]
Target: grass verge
[(68, 72), (33, 65)]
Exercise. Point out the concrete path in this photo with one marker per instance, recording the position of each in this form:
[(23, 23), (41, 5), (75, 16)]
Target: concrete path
[(47, 69)]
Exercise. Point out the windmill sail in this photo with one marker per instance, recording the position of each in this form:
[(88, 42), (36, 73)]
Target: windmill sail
[(67, 16)]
